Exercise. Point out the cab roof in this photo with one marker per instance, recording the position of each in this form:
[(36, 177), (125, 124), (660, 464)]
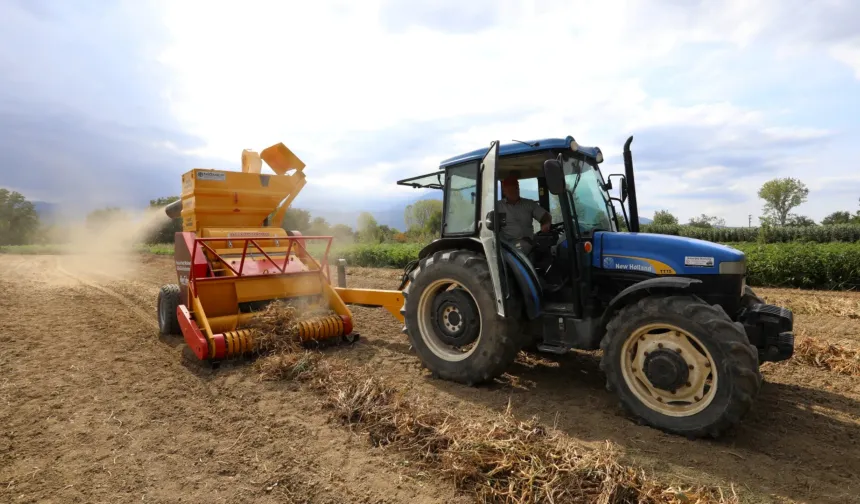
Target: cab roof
[(525, 147)]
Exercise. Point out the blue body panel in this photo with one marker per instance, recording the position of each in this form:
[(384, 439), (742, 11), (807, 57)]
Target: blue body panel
[(533, 289), (648, 252), (513, 148)]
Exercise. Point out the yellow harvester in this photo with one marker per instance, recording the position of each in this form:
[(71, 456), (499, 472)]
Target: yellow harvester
[(233, 258)]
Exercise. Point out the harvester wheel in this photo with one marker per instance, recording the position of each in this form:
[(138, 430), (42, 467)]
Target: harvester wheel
[(168, 302), (680, 365), (451, 319)]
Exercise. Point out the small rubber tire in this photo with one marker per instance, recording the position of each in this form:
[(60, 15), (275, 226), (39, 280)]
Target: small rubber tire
[(497, 344), (750, 298), (168, 302), (739, 378)]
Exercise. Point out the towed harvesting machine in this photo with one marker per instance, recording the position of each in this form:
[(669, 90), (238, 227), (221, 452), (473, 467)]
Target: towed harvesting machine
[(233, 258), (682, 335)]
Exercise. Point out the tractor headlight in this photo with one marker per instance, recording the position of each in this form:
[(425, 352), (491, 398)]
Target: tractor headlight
[(574, 146)]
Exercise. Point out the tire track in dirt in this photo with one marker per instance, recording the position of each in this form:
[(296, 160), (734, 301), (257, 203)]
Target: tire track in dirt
[(104, 411), (799, 442), (145, 317)]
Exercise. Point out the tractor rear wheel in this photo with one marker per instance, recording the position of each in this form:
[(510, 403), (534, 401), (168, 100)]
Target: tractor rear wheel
[(451, 319), (680, 365), (168, 302)]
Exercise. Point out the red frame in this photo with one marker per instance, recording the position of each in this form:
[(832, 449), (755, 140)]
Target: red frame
[(322, 265)]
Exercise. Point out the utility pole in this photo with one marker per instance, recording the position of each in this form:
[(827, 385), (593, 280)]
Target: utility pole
[(750, 220)]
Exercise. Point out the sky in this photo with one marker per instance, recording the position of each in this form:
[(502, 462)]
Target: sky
[(109, 102)]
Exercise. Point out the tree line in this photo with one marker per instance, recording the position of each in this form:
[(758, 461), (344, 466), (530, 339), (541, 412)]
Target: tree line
[(781, 196), (20, 223)]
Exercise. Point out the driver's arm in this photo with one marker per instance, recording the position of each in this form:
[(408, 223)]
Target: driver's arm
[(542, 216)]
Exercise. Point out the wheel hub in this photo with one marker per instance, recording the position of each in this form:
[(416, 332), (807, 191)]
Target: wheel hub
[(454, 317), (666, 369)]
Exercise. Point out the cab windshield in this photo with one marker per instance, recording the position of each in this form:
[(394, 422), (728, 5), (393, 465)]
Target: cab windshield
[(591, 202)]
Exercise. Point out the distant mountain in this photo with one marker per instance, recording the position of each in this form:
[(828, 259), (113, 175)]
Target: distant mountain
[(393, 216)]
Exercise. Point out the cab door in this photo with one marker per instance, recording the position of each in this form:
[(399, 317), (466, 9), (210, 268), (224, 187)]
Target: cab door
[(491, 223)]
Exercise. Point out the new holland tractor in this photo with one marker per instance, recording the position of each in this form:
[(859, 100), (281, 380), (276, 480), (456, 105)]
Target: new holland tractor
[(682, 335)]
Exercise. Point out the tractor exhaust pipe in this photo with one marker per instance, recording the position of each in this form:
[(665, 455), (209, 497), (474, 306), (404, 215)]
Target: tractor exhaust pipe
[(631, 187)]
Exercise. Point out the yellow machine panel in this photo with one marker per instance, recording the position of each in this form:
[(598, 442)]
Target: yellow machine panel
[(233, 258)]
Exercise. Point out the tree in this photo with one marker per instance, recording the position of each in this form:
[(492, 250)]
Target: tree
[(368, 228), (296, 219), (319, 227), (664, 218), (800, 221), (385, 233), (19, 220), (781, 195), (706, 221), (434, 225), (343, 233), (840, 217), (424, 215)]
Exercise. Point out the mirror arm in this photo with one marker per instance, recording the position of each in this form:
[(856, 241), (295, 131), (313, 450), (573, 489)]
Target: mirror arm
[(623, 211)]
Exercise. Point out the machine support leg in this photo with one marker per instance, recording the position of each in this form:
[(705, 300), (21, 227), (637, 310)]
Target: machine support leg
[(341, 273)]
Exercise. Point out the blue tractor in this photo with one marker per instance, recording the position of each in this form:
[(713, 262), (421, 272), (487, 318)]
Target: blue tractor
[(682, 335)]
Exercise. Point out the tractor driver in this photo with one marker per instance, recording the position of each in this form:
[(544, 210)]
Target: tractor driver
[(518, 229)]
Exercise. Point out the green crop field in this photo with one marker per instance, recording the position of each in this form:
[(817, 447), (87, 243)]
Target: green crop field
[(811, 258)]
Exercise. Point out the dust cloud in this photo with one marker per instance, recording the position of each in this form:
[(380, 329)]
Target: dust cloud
[(111, 246)]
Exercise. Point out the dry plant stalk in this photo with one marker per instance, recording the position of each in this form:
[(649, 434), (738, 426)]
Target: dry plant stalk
[(827, 356), (815, 304), (276, 333), (509, 461)]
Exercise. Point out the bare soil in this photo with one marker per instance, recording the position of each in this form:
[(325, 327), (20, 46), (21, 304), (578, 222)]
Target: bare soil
[(96, 407)]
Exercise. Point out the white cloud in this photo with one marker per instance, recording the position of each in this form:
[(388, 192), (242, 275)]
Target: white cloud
[(848, 53), (315, 75)]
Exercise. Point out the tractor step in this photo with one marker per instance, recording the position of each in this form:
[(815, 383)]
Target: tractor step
[(558, 308), (555, 348)]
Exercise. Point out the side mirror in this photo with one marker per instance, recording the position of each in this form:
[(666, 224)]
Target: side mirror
[(623, 188), (492, 215), (554, 174)]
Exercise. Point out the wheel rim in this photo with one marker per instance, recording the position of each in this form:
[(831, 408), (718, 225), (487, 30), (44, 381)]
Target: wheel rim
[(669, 370), (426, 326)]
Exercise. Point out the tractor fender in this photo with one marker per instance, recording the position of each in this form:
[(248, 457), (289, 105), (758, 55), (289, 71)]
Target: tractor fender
[(643, 289), (467, 243), (526, 277), (517, 265)]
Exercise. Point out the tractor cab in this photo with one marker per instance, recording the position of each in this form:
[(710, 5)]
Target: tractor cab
[(582, 208)]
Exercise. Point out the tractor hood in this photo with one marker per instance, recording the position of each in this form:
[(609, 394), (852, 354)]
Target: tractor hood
[(665, 254)]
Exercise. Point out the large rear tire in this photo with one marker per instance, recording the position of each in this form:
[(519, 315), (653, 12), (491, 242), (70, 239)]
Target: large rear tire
[(680, 365), (449, 303), (168, 302)]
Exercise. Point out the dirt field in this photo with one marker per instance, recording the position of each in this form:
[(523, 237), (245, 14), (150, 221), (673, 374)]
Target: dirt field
[(96, 407)]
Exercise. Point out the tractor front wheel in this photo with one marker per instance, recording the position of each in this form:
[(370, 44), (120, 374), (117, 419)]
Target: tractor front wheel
[(168, 302), (680, 365), (451, 318)]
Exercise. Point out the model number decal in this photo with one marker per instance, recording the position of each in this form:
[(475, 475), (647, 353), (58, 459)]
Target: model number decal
[(707, 262)]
